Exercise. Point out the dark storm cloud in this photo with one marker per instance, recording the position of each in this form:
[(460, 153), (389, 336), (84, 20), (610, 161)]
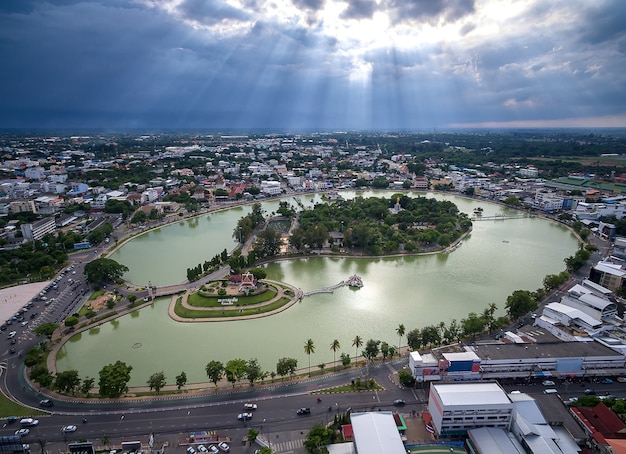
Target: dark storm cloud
[(430, 11), (359, 9), (313, 5), (604, 24), (209, 11)]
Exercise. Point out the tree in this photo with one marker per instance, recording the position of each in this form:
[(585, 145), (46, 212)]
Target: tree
[(384, 349), (214, 371), (356, 343), (414, 339), (114, 379), (71, 321), (252, 434), (40, 374), (87, 385), (371, 349), (67, 381), (157, 381), (286, 366), (181, 380), (235, 370), (400, 330), (520, 302), (104, 270), (345, 359), (46, 329), (473, 324), (253, 371), (309, 347), (317, 439), (334, 346)]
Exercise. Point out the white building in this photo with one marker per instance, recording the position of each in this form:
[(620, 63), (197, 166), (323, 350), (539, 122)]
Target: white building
[(456, 408), (271, 187), (375, 433)]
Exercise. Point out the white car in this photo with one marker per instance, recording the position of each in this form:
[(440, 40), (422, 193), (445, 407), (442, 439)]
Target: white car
[(68, 429), (249, 406), (244, 416), (213, 449), (548, 383), (202, 448), (223, 446), (22, 432)]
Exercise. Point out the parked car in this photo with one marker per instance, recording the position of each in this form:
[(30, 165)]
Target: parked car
[(191, 450), (223, 446), (213, 449), (606, 381), (621, 379), (548, 383), (399, 403), (244, 416), (68, 429), (303, 411), (202, 448)]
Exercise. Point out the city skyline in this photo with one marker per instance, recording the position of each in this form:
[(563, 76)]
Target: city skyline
[(312, 64)]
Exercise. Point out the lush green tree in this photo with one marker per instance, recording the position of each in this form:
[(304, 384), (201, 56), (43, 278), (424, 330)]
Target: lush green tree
[(334, 346), (384, 350), (520, 302), (252, 434), (400, 330), (46, 329), (253, 371), (71, 321), (87, 385), (345, 359), (67, 381), (40, 374), (33, 356), (513, 201), (259, 273), (372, 348), (104, 270), (406, 378), (215, 371), (473, 324), (286, 366), (414, 339), (309, 348), (318, 438), (157, 381), (235, 370), (139, 217), (181, 380), (114, 379), (357, 342)]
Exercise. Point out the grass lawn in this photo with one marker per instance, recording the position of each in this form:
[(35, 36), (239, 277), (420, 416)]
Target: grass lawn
[(10, 408), (197, 300), (239, 312)]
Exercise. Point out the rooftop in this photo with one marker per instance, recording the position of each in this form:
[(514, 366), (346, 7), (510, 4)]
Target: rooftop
[(482, 393), (547, 350)]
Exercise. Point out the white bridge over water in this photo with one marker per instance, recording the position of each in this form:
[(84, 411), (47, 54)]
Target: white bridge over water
[(499, 217), (353, 281)]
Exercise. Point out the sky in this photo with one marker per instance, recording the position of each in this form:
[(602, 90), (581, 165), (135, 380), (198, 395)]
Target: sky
[(312, 64)]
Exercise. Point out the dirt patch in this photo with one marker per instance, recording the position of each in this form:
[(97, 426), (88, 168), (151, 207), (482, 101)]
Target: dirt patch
[(99, 302)]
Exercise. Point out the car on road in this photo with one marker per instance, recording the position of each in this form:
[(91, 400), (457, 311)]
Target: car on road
[(28, 422), (399, 403), (548, 383), (589, 392), (606, 381), (202, 448), (213, 449), (68, 429), (223, 446), (11, 334), (22, 432), (12, 350), (250, 406), (46, 403), (303, 411), (244, 416)]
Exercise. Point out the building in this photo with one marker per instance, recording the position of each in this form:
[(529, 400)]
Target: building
[(375, 433), (38, 229), (456, 408)]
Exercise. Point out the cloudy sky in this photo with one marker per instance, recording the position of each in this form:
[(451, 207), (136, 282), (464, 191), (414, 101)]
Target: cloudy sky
[(312, 64)]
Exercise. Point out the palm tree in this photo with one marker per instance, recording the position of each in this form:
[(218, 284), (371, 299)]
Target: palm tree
[(334, 346), (356, 343), (400, 330), (309, 348)]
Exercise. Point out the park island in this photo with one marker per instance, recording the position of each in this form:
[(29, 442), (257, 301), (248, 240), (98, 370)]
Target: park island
[(360, 227)]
